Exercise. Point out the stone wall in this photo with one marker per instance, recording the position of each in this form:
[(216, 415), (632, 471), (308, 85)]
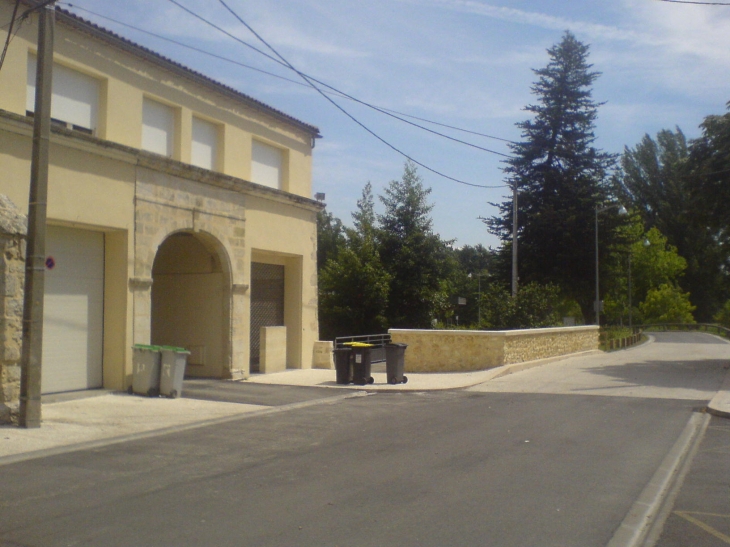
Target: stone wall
[(532, 344), (464, 350), (13, 228)]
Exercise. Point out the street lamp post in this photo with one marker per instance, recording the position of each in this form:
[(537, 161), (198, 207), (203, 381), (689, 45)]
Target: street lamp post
[(646, 244), (597, 304), (479, 298)]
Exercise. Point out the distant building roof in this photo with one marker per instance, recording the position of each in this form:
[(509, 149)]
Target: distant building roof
[(83, 25)]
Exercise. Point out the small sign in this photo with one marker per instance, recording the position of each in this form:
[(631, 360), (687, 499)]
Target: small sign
[(358, 358), (50, 262)]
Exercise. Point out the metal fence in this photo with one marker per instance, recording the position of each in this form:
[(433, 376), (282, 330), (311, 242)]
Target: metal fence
[(379, 341)]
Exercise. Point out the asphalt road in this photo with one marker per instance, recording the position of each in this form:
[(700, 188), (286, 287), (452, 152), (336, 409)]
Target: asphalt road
[(700, 515), (522, 463)]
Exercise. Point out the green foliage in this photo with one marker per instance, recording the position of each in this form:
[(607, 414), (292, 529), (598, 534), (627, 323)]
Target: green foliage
[(560, 177), (354, 285), (655, 264), (667, 304), (681, 190), (353, 294), (723, 316), (414, 256), (535, 306), (710, 164), (330, 237)]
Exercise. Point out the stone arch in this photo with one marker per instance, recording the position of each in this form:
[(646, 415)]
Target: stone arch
[(191, 300)]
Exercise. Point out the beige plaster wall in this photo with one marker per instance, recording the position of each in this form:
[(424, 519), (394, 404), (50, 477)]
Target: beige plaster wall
[(459, 351), (125, 78), (138, 199), (290, 240)]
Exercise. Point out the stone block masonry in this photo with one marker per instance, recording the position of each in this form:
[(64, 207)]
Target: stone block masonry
[(468, 350), (13, 228)]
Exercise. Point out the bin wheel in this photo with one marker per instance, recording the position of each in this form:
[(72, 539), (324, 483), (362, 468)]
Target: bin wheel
[(153, 392), (392, 380), (405, 379), (173, 394), (371, 380)]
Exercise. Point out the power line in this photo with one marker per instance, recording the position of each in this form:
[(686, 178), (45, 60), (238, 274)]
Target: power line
[(697, 3), (310, 79), (322, 93), (342, 94), (10, 33)]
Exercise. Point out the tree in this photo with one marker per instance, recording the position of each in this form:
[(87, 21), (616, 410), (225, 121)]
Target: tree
[(662, 179), (353, 294), (560, 179), (353, 284), (667, 304), (535, 306), (710, 164), (414, 256), (723, 316), (330, 237)]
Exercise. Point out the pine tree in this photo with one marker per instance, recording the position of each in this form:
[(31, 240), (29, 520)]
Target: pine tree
[(560, 178), (354, 284), (411, 252)]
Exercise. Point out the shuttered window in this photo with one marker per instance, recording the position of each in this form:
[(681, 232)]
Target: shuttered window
[(75, 98), (266, 165), (204, 150), (158, 128)]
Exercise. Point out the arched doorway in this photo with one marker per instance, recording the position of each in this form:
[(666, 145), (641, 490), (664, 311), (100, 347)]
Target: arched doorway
[(191, 301)]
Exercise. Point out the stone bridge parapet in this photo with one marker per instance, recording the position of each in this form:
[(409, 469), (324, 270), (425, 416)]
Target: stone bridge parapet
[(470, 350)]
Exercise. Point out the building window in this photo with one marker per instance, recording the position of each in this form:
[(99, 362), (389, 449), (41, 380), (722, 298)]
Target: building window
[(158, 128), (266, 165), (204, 150), (75, 97)]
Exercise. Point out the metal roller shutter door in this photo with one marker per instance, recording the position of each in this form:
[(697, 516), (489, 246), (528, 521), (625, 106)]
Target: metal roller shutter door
[(73, 310)]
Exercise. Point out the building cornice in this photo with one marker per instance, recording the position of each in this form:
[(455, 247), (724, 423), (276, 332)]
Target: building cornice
[(23, 125)]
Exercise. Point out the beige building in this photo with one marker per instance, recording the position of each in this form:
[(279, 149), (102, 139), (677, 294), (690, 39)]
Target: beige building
[(179, 213)]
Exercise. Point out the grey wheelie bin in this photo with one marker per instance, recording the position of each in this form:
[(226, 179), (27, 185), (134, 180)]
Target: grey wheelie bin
[(343, 365), (172, 370), (146, 370), (395, 358), (361, 363)]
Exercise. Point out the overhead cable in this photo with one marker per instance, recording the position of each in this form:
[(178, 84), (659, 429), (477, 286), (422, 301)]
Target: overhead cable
[(312, 84), (332, 89), (10, 33), (696, 3)]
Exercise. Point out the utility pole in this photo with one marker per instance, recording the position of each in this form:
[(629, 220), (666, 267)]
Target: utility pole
[(514, 239), (31, 359)]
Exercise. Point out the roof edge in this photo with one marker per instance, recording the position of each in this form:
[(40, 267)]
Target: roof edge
[(83, 25)]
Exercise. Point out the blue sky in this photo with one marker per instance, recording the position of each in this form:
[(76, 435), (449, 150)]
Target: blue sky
[(465, 63)]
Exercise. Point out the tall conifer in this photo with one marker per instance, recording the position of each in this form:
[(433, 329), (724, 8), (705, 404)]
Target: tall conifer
[(560, 177)]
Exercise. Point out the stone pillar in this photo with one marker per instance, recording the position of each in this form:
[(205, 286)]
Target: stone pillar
[(13, 229), (322, 356)]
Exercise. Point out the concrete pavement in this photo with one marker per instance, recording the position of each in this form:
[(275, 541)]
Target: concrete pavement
[(96, 418)]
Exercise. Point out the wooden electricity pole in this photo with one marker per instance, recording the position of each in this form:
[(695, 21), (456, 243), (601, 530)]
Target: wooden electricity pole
[(514, 240), (30, 372)]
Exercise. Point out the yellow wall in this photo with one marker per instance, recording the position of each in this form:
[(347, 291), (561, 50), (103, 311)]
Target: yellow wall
[(126, 78), (101, 186)]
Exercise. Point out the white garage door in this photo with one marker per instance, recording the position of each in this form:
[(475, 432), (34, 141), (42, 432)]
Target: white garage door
[(73, 310)]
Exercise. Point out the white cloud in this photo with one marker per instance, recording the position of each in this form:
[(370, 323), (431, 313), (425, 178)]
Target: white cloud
[(537, 19)]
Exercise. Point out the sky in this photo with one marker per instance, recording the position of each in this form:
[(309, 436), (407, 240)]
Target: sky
[(463, 63)]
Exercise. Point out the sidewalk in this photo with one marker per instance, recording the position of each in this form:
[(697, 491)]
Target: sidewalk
[(97, 418)]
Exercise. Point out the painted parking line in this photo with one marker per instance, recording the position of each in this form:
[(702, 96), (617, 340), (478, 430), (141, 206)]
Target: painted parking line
[(688, 516)]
